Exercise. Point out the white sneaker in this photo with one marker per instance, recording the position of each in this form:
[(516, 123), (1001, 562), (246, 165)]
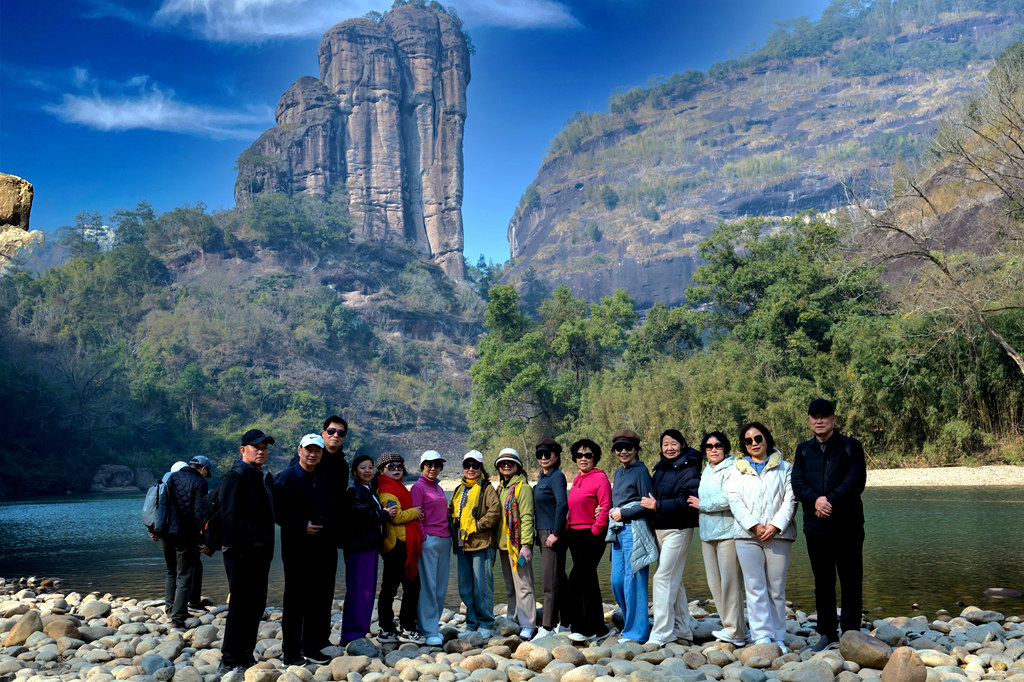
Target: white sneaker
[(526, 634), (763, 640), (623, 640), (485, 633), (723, 636), (436, 640), (577, 637), (782, 645), (656, 642), (542, 632), (561, 628)]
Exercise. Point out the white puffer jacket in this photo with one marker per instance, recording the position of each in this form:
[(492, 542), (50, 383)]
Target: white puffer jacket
[(715, 516), (767, 498)]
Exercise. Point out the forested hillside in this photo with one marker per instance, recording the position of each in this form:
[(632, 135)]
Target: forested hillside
[(907, 310), (625, 195), (195, 327)]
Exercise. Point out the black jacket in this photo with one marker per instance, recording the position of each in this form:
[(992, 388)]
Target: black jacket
[(247, 511), (335, 467), (187, 501), (364, 525), (674, 481), (551, 502), (300, 498), (838, 473)]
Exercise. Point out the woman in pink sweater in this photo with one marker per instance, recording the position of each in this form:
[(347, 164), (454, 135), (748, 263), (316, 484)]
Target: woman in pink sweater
[(590, 498)]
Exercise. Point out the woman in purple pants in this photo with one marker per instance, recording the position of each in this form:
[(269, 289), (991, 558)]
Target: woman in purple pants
[(364, 534)]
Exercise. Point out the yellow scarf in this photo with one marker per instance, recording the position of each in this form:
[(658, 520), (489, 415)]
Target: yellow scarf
[(468, 499)]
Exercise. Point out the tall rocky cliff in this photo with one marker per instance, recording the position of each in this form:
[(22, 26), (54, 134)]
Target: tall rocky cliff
[(625, 196), (383, 124)]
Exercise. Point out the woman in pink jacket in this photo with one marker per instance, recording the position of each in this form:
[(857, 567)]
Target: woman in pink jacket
[(590, 499)]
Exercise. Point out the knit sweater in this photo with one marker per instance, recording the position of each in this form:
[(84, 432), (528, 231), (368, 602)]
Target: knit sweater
[(590, 492)]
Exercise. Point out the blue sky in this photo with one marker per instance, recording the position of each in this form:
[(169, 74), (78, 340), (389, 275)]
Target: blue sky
[(106, 102)]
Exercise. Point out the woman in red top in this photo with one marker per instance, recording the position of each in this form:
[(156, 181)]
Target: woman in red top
[(590, 498)]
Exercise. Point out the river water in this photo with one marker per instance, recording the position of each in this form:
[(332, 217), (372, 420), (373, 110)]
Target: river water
[(927, 546)]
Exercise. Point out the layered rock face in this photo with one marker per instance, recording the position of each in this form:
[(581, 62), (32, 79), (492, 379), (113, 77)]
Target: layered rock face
[(15, 207), (383, 124)]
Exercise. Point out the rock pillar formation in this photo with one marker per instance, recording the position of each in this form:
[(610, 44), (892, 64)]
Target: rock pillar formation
[(383, 124), (15, 207)]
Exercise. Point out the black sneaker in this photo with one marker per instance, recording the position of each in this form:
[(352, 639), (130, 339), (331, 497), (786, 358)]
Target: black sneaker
[(387, 636), (410, 636), (317, 657), (824, 642), (294, 660)]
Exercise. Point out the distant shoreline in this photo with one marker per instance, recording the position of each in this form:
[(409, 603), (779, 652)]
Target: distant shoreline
[(947, 476)]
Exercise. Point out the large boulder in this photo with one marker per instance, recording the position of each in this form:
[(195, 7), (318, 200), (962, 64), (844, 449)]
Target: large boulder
[(864, 650), (904, 665), (15, 208)]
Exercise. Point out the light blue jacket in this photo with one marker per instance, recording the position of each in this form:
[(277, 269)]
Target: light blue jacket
[(715, 517)]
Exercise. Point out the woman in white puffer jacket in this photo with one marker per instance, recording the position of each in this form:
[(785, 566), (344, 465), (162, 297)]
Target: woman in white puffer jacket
[(721, 566), (762, 503)]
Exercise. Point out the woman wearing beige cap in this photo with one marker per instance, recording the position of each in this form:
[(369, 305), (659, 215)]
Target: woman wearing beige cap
[(515, 541)]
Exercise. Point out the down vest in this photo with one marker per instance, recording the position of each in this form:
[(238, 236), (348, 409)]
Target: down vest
[(715, 516), (767, 498)]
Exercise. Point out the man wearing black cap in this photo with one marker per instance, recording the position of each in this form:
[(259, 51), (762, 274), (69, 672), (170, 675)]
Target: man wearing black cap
[(247, 513), (828, 478)]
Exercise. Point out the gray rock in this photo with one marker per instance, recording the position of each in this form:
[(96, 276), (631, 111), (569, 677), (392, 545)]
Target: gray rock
[(626, 650), (362, 647), (864, 650), (517, 673), (979, 617), (582, 673), (151, 664), (94, 609), (752, 675), (646, 676), (187, 673), (204, 636), (91, 633), (891, 635)]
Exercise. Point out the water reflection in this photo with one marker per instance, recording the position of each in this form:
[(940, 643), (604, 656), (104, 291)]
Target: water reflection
[(932, 546)]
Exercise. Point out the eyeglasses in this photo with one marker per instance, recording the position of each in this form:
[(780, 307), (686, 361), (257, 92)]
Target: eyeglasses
[(544, 454), (395, 466), (622, 447), (714, 446), (340, 432), (756, 439), (472, 465), (584, 455)]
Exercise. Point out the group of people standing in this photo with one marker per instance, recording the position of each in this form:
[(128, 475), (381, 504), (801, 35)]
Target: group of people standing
[(743, 507)]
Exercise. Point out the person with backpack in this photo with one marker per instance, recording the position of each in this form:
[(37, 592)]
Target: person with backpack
[(186, 498), (303, 502), (246, 507), (154, 517), (828, 478)]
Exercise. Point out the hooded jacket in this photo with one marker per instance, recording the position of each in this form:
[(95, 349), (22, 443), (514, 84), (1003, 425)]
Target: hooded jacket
[(673, 481), (767, 498)]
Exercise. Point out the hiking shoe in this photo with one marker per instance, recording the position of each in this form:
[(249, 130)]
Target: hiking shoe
[(410, 636), (542, 632), (294, 660), (387, 636), (824, 642), (526, 634), (317, 657)]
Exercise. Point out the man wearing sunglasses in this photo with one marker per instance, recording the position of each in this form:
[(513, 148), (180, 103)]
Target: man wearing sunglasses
[(828, 478)]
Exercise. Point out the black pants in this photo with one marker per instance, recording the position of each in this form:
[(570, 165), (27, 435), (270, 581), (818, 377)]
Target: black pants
[(310, 567), (184, 572), (247, 582), (584, 598), (394, 575), (840, 552), (555, 582)]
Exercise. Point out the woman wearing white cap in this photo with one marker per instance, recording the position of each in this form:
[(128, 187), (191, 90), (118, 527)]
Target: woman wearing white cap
[(435, 558), (515, 541), (473, 513)]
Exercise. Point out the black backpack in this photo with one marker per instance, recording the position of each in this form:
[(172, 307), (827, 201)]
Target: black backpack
[(212, 531)]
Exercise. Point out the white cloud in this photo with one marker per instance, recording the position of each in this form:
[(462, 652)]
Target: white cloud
[(255, 20), (138, 104)]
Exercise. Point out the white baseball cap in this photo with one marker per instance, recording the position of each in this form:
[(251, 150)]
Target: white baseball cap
[(430, 456), (473, 454), (178, 466), (311, 439)]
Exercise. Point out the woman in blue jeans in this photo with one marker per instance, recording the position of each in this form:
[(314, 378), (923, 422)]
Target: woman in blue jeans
[(632, 484), (474, 512)]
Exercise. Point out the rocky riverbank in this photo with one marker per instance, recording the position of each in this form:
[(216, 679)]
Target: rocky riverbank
[(47, 633), (947, 476)]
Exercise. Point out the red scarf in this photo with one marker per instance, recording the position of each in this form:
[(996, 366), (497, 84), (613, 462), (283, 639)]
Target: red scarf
[(413, 536)]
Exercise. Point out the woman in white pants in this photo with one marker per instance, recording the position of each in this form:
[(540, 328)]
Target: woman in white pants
[(717, 543), (762, 504)]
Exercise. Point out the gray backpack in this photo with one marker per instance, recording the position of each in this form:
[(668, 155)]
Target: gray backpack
[(154, 509)]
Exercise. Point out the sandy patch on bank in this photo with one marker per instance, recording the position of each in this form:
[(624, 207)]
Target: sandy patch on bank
[(947, 476)]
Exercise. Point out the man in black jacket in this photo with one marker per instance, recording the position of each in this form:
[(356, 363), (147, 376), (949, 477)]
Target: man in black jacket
[(303, 499), (186, 490), (828, 478), (247, 516)]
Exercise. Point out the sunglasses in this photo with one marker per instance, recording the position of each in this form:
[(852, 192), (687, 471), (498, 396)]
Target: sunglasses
[(756, 439), (584, 455), (544, 454), (472, 465), (435, 464), (340, 432), (714, 446), (622, 447), (395, 466)]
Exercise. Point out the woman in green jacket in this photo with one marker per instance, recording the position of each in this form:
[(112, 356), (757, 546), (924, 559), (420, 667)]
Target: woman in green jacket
[(515, 541)]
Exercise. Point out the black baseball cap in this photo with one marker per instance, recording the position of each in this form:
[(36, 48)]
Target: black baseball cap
[(255, 437), (822, 407)]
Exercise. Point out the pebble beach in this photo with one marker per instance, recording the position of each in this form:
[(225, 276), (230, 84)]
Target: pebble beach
[(50, 634)]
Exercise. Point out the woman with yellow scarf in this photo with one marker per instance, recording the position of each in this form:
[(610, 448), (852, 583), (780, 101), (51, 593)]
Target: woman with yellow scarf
[(474, 513)]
